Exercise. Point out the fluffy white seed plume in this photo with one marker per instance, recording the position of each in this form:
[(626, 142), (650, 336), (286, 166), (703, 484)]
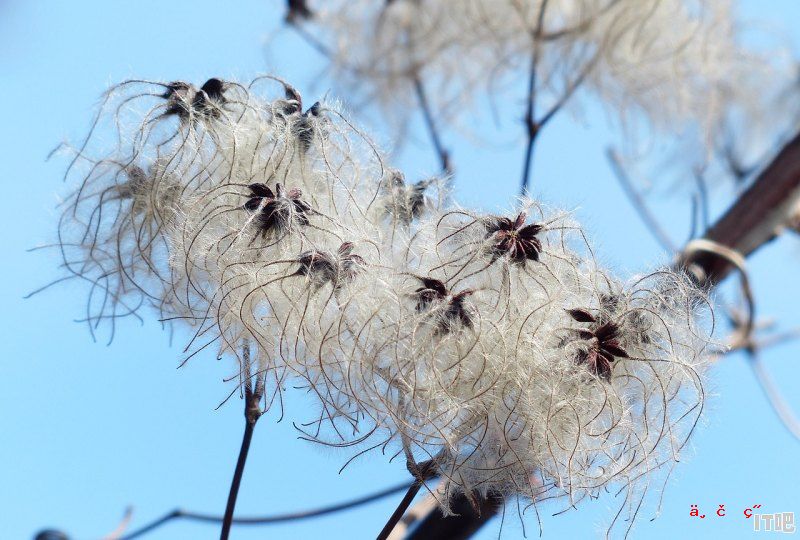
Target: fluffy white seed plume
[(666, 57), (492, 346), (676, 67)]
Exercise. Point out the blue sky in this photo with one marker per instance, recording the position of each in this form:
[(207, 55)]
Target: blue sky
[(89, 429)]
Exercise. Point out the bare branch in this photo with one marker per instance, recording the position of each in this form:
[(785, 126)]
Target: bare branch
[(530, 114), (268, 520), (774, 396), (778, 339), (638, 203), (430, 122), (465, 522)]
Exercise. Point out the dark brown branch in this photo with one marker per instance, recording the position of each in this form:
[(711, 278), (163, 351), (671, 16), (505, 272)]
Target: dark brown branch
[(466, 521), (757, 217)]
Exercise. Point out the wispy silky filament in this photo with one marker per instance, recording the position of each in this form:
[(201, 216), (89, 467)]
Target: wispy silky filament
[(493, 345)]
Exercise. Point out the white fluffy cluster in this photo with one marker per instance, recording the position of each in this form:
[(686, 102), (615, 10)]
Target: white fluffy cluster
[(492, 345), (673, 62)]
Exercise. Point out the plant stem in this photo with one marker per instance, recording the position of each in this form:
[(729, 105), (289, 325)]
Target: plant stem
[(400, 510), (227, 520), (253, 392), (151, 526)]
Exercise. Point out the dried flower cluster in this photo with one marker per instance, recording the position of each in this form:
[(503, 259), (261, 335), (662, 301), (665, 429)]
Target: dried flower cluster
[(493, 345)]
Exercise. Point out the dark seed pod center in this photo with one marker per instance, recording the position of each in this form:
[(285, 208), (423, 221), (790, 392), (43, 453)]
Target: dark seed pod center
[(277, 211), (322, 267), (602, 345), (513, 239), (451, 309)]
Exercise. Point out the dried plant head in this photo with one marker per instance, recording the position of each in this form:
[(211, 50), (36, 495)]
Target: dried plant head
[(677, 72), (493, 345)]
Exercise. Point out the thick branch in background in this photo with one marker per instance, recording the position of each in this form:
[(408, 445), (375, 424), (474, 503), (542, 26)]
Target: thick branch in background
[(759, 214), (757, 217), (466, 521)]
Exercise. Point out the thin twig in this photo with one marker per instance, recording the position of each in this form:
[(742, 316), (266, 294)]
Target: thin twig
[(744, 338), (638, 203), (693, 217), (268, 520), (430, 122), (774, 396), (735, 343), (119, 530), (531, 125), (777, 339), (568, 92), (415, 514), (738, 170), (253, 392), (751, 347), (702, 191), (310, 39), (397, 515), (177, 513), (237, 480), (421, 472)]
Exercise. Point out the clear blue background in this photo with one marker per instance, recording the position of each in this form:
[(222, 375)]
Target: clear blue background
[(88, 429)]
